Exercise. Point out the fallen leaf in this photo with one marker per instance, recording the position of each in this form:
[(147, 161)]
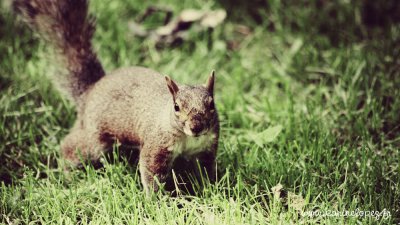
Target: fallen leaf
[(166, 30), (266, 136), (176, 31), (191, 15), (137, 29), (271, 133), (213, 18), (276, 191), (296, 201)]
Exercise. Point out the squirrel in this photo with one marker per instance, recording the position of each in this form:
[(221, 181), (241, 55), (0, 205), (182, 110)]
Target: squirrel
[(133, 105)]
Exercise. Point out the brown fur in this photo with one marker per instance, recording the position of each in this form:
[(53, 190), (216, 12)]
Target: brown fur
[(65, 23), (133, 105)]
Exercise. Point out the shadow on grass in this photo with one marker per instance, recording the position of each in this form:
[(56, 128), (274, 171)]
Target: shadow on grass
[(358, 31), (340, 22), (16, 45), (185, 178)]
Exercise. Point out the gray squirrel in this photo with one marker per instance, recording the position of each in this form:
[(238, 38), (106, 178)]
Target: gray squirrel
[(130, 105)]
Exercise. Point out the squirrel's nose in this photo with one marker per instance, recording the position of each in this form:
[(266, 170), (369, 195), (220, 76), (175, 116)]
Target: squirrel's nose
[(197, 128)]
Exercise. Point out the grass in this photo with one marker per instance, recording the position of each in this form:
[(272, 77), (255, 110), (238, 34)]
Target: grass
[(309, 99)]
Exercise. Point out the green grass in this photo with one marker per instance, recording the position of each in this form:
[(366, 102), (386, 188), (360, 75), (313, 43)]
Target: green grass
[(309, 100)]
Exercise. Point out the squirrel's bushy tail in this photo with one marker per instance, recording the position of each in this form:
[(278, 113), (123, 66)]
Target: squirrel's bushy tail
[(67, 25)]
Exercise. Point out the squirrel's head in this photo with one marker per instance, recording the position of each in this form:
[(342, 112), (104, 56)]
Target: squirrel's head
[(193, 106)]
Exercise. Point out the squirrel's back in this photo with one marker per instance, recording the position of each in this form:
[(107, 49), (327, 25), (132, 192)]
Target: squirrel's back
[(129, 99), (141, 85)]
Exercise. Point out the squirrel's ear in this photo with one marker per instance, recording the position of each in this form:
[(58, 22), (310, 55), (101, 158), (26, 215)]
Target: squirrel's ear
[(210, 83), (173, 88)]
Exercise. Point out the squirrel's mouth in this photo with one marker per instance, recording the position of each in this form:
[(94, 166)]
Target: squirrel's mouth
[(191, 133), (188, 131), (199, 134)]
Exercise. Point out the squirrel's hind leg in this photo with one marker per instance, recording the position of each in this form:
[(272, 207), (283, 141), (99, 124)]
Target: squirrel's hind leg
[(81, 146)]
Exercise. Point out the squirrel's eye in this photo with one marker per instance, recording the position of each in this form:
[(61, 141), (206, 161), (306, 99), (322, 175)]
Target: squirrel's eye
[(176, 106)]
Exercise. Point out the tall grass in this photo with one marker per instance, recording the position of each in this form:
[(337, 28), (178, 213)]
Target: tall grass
[(308, 99)]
